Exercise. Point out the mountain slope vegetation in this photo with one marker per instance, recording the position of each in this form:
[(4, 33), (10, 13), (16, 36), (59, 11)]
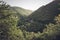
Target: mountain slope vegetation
[(43, 24), (44, 15), (22, 11), (47, 12)]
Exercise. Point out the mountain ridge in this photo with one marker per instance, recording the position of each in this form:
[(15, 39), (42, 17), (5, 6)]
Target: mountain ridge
[(43, 16), (21, 11)]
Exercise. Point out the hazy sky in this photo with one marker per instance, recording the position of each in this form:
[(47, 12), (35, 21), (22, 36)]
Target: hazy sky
[(28, 4)]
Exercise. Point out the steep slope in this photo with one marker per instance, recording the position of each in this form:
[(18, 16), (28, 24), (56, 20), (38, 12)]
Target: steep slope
[(44, 15)]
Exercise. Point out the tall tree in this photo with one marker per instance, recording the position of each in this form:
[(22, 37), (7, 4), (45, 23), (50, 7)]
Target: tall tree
[(8, 23)]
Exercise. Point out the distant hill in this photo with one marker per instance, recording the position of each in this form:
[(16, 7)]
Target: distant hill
[(22, 14), (22, 11)]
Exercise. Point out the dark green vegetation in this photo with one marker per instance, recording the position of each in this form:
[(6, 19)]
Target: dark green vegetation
[(43, 24), (45, 15)]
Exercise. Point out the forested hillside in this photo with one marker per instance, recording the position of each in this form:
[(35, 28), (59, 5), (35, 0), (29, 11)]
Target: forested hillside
[(17, 23), (22, 11), (44, 15)]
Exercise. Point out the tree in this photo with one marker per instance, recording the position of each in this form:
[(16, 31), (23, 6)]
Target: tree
[(8, 24), (52, 32)]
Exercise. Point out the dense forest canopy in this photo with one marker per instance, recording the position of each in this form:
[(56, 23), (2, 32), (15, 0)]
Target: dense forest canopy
[(42, 24)]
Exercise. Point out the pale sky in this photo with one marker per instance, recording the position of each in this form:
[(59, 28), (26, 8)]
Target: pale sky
[(28, 4)]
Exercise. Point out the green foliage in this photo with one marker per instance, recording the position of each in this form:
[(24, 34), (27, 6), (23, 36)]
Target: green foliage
[(13, 26), (8, 24), (21, 11)]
